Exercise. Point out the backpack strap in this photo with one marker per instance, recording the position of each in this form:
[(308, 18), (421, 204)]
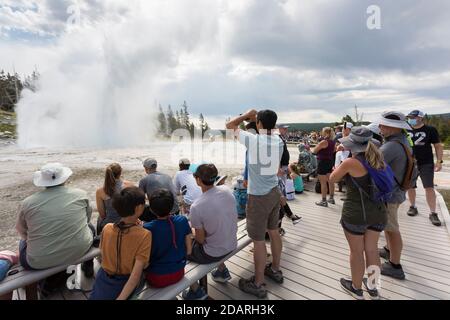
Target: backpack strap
[(410, 165)]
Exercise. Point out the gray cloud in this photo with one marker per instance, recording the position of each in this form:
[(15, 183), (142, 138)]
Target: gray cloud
[(225, 56)]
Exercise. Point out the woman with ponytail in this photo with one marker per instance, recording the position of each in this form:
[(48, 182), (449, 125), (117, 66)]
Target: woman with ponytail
[(113, 183), (362, 218)]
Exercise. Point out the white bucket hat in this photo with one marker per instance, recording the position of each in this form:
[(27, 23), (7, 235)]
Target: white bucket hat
[(393, 119), (52, 174)]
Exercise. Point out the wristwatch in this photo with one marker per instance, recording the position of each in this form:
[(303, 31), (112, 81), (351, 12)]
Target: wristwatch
[(440, 162)]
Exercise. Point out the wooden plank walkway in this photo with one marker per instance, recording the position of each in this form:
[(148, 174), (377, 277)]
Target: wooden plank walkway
[(315, 256)]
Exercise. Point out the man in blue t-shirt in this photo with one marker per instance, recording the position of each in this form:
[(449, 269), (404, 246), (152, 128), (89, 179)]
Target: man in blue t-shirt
[(264, 156)]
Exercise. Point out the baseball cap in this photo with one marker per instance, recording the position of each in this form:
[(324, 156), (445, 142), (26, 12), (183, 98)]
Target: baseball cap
[(416, 113), (149, 163), (185, 161), (348, 125)]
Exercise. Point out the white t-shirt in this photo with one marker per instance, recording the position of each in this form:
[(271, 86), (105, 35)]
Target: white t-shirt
[(185, 185), (341, 156), (264, 156)]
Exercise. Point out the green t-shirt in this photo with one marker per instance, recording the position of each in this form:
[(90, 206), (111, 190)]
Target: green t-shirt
[(54, 223)]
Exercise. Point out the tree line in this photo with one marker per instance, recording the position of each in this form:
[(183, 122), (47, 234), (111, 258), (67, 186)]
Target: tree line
[(11, 86), (169, 121)]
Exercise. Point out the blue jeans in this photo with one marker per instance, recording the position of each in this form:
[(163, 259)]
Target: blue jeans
[(4, 268)]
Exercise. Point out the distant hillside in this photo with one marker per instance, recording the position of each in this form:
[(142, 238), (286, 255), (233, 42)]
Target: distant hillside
[(308, 126), (446, 116)]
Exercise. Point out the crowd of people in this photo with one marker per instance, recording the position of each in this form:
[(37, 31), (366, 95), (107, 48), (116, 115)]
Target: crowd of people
[(147, 232)]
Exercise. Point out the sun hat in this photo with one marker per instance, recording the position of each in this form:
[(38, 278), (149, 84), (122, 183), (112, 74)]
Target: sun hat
[(416, 113), (393, 119), (149, 163), (358, 139), (51, 174)]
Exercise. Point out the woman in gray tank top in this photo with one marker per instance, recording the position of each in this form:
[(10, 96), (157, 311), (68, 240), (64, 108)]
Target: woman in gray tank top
[(113, 183), (362, 219)]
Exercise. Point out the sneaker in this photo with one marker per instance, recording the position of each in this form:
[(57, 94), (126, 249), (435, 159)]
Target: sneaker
[(384, 253), (435, 219), (295, 219), (249, 286), (331, 201), (322, 203), (373, 293), (276, 276), (412, 211), (389, 271), (347, 285), (200, 294), (221, 276), (282, 232)]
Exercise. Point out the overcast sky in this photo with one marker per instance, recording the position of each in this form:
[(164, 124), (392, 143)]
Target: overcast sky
[(311, 61)]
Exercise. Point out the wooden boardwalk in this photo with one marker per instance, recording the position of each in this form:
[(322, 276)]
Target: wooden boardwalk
[(315, 257)]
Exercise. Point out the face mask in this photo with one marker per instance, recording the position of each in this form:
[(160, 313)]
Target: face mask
[(412, 122)]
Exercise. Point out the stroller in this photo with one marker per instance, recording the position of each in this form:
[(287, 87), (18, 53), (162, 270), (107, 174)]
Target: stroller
[(307, 162)]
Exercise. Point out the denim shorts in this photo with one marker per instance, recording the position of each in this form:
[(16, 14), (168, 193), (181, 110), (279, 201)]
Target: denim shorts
[(360, 230)]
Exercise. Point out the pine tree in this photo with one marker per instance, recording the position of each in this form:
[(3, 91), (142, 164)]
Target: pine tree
[(162, 120), (203, 124), (178, 118), (171, 120)]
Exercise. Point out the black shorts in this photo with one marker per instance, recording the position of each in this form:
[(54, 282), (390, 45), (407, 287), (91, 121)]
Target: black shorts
[(200, 256), (360, 230), (325, 167), (426, 174)]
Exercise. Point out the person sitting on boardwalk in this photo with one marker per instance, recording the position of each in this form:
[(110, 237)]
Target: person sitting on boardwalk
[(264, 156), (156, 180), (171, 241), (113, 183), (186, 186), (396, 151), (54, 223), (214, 218), (325, 153), (362, 218), (125, 249)]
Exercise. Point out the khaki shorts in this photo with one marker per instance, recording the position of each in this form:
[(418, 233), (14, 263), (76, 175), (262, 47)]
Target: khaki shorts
[(263, 214), (392, 217)]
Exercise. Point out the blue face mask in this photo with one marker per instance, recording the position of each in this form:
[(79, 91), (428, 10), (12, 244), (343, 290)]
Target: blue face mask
[(412, 122)]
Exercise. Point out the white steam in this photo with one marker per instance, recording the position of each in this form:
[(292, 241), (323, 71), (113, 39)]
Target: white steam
[(106, 76)]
